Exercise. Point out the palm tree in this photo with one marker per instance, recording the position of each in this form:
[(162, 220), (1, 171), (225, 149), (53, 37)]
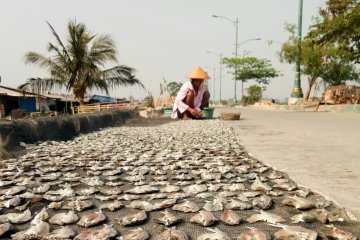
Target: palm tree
[(79, 64)]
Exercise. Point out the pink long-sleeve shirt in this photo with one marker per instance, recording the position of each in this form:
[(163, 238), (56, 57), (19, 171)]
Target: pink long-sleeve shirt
[(179, 100)]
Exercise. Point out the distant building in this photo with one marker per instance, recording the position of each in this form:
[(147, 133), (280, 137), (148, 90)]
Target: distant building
[(12, 99)]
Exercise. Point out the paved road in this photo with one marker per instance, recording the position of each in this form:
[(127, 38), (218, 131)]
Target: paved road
[(319, 150)]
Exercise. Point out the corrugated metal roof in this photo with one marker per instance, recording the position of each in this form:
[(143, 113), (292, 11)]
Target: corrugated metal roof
[(103, 99), (14, 92)]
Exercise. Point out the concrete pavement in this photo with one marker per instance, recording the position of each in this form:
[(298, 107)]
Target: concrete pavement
[(320, 151)]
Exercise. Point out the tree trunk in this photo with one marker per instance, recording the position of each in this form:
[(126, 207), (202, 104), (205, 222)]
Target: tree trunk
[(311, 81), (242, 89), (81, 101)]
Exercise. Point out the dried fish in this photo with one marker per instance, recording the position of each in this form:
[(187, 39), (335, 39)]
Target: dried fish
[(298, 202), (265, 217), (288, 186), (339, 234), (195, 189), (337, 215), (110, 191), (173, 234), (87, 191), (41, 189), (60, 234), (53, 198), (303, 217), (55, 205), (274, 175), (183, 177), (295, 232), (129, 197), (187, 206), (136, 234), (143, 205), (91, 219), (4, 228), (105, 198), (215, 205), (263, 202), (251, 194), (105, 233), (111, 206), (230, 217), (142, 190), (238, 205), (92, 181), (113, 184), (215, 234), (302, 192), (167, 219), (260, 186), (214, 187), (64, 218), (156, 196), (19, 217), (13, 202), (132, 219), (137, 178), (170, 189), (203, 218), (34, 232), (67, 191), (254, 234), (112, 172), (78, 205), (13, 190), (234, 187), (207, 176), (205, 195), (41, 216), (6, 183)]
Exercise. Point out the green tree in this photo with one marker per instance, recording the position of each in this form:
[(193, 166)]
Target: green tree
[(254, 94), (79, 65), (251, 68), (323, 61), (339, 23), (174, 88)]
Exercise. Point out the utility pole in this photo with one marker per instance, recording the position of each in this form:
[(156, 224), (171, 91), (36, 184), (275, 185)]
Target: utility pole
[(297, 91)]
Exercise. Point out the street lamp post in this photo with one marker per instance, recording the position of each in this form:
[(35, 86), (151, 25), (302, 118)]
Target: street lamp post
[(248, 40), (236, 23), (220, 72), (214, 76), (297, 91)]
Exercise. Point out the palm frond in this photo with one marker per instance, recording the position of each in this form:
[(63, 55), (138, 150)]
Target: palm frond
[(121, 76), (59, 41), (36, 85), (102, 50)]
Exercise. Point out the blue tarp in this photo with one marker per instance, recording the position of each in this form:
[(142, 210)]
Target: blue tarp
[(28, 104), (103, 99)]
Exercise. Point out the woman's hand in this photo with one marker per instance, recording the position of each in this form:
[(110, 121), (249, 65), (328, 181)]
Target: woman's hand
[(195, 113)]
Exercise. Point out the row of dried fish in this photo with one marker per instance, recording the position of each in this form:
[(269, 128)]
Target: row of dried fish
[(140, 165)]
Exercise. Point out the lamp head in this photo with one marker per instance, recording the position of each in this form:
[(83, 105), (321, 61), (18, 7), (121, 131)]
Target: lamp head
[(215, 16)]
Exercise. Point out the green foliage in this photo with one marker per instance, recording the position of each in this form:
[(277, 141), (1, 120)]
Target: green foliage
[(78, 65), (317, 60), (174, 88), (251, 68), (149, 101), (339, 23), (254, 94)]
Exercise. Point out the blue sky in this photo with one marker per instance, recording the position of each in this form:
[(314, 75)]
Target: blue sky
[(159, 38)]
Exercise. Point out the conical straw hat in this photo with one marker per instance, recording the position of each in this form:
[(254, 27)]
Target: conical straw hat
[(198, 73)]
